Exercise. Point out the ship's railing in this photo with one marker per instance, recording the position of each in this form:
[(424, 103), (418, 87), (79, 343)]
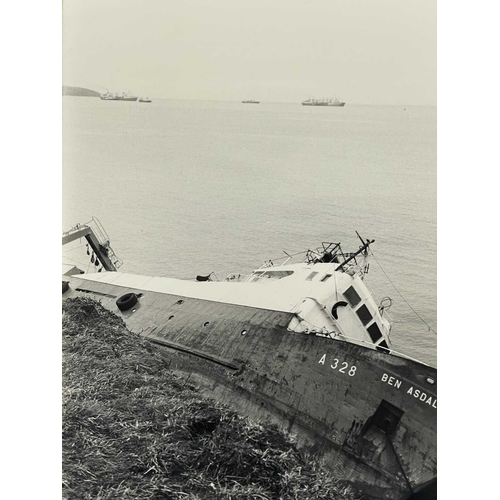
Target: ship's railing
[(104, 241), (236, 277), (310, 255), (99, 231), (306, 256)]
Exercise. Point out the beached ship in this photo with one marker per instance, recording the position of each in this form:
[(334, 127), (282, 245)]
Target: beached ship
[(323, 102), (301, 343), (144, 99)]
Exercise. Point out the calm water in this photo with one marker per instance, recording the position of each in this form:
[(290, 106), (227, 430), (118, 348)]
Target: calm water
[(190, 187)]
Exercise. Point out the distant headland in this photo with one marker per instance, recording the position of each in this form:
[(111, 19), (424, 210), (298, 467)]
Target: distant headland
[(79, 91)]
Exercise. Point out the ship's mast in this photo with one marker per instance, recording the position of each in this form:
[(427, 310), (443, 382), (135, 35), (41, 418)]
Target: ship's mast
[(363, 248)]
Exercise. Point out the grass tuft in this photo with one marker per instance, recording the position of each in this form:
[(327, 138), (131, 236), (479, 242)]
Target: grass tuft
[(133, 429)]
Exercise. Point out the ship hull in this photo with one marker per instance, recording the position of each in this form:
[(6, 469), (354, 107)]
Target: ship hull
[(361, 410)]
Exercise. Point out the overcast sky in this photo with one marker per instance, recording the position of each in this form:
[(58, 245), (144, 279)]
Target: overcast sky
[(363, 51)]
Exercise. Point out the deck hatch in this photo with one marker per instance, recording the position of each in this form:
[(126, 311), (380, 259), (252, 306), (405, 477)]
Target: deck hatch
[(352, 296)]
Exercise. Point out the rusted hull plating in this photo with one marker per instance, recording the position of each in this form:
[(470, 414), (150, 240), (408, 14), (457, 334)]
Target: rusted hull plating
[(370, 415)]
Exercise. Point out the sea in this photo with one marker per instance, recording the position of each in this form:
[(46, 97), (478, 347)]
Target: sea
[(186, 188)]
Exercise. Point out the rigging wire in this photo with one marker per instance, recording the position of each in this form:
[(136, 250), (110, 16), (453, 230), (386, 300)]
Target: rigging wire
[(401, 295)]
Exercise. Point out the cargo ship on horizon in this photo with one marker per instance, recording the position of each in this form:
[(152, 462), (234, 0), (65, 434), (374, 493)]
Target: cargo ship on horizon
[(124, 96), (323, 102)]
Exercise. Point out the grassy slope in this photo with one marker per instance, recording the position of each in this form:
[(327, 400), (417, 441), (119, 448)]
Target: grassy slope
[(132, 429)]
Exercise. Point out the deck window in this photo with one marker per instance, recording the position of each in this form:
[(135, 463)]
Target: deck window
[(364, 315), (352, 296), (374, 331), (311, 276), (383, 346), (326, 277)]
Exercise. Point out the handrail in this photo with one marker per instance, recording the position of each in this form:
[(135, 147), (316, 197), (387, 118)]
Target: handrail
[(93, 224), (99, 228)]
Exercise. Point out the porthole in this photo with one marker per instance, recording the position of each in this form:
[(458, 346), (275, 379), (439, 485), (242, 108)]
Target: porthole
[(180, 302), (430, 380), (243, 332), (171, 317), (206, 323)]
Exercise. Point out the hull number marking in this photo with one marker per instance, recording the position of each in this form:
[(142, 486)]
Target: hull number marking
[(341, 366)]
